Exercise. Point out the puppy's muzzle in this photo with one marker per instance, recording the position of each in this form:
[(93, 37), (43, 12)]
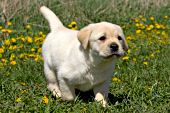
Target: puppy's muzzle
[(114, 47)]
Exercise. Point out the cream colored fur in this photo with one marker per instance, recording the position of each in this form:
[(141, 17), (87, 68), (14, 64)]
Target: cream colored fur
[(79, 59)]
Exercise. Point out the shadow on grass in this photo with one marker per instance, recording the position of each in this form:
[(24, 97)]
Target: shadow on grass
[(89, 97)]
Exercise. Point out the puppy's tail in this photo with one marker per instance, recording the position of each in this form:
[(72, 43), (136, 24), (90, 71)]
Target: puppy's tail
[(53, 20)]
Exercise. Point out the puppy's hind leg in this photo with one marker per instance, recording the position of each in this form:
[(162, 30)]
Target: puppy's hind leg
[(52, 82)]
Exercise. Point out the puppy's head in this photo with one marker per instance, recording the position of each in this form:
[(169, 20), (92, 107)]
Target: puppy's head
[(103, 38)]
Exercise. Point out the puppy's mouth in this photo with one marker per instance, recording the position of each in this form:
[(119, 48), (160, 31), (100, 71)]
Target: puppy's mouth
[(117, 55)]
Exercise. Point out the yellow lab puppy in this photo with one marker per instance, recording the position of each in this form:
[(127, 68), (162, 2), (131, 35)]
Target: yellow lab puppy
[(82, 59)]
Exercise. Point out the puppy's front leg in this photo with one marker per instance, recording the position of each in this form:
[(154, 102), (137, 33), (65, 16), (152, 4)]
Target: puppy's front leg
[(67, 91), (101, 93)]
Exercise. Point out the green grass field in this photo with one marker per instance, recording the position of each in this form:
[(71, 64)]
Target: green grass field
[(141, 80)]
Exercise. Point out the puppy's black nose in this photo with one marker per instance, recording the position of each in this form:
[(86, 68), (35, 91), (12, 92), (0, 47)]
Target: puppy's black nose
[(114, 47)]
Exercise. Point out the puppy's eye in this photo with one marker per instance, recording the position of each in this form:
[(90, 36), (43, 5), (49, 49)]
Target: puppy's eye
[(119, 38), (102, 38)]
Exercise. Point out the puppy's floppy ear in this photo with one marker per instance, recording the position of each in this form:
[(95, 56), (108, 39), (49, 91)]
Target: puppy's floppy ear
[(84, 35)]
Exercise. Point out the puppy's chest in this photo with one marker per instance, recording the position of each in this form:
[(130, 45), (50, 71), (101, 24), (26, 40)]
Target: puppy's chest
[(89, 80)]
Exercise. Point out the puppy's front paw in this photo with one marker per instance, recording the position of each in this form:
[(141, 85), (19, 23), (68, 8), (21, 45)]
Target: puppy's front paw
[(57, 94), (100, 98), (55, 90)]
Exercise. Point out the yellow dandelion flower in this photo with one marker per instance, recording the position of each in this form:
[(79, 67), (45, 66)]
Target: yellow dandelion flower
[(40, 33), (28, 26), (143, 27), (6, 30), (31, 55), (166, 17), (163, 27), (125, 58), (1, 27), (14, 47), (9, 23), (151, 26), (74, 28), (73, 25), (29, 39), (10, 47), (129, 51), (158, 51), (158, 32), (23, 39), (140, 16), (143, 19), (21, 55), (148, 28), (24, 91), (36, 58), (43, 36), (158, 26), (18, 100), (148, 89), (4, 61), (152, 18), (129, 38), (134, 59), (161, 41), (145, 63), (137, 24), (163, 33), (12, 57), (9, 31), (13, 40), (115, 79), (37, 39), (32, 49), (13, 62), (138, 31), (23, 83), (1, 50), (136, 20), (152, 55), (39, 50), (45, 99), (3, 30), (7, 42)]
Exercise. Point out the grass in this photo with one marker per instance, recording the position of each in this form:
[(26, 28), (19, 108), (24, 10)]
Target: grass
[(140, 81)]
